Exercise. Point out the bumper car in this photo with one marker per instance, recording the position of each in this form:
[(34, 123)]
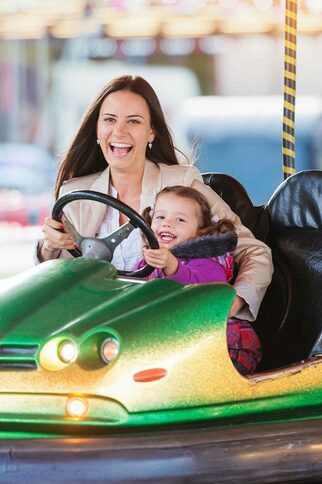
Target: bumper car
[(103, 374), (105, 378)]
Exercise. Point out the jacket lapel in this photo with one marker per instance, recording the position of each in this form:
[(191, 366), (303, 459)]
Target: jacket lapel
[(151, 184), (91, 214)]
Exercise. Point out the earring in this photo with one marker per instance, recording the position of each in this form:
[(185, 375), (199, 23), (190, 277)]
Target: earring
[(150, 145), (98, 141)]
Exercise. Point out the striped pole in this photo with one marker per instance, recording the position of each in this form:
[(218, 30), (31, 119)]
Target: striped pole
[(289, 88)]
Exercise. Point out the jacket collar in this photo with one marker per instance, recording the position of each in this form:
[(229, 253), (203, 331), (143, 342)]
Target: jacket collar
[(206, 246)]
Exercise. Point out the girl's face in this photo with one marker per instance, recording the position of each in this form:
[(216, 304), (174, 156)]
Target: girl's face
[(124, 130), (175, 219)]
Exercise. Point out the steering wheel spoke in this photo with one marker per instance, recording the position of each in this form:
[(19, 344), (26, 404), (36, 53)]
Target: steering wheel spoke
[(71, 229), (115, 238)]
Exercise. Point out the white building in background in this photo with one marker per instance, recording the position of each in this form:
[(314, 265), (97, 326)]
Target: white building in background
[(254, 65)]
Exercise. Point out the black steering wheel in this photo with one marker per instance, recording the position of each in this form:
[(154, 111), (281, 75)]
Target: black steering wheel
[(103, 248)]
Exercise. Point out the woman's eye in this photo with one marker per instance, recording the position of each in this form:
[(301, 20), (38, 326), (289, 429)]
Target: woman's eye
[(109, 120), (134, 121)]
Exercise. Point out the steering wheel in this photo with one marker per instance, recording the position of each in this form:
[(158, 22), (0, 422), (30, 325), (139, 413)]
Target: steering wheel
[(103, 248)]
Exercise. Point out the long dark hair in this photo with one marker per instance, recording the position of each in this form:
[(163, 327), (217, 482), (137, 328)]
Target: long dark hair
[(207, 225), (85, 156)]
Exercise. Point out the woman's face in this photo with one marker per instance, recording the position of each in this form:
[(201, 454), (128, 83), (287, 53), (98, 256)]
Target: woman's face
[(124, 130), (175, 219)]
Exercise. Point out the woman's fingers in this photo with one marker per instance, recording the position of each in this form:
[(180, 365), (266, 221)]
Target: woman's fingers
[(53, 238), (50, 222)]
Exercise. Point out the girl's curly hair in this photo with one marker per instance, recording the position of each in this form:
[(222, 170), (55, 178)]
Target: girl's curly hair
[(207, 225)]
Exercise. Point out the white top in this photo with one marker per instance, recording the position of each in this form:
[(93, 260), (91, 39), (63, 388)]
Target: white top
[(129, 252)]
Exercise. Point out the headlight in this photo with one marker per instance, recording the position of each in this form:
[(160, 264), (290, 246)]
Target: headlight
[(57, 353), (98, 350), (67, 351), (109, 350), (77, 407)]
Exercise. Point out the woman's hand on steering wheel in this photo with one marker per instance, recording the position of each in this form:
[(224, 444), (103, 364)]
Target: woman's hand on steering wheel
[(55, 238)]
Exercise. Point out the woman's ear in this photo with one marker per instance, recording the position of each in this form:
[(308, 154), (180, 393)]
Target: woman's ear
[(152, 134)]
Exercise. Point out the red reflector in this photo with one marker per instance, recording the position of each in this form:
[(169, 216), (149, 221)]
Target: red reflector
[(149, 375)]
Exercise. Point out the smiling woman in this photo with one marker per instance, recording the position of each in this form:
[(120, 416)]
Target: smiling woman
[(122, 129), (124, 148)]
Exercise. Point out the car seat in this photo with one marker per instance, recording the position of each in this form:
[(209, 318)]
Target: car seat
[(275, 308), (235, 195), (295, 237)]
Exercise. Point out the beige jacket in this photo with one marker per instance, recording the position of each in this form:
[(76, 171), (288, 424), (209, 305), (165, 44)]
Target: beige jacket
[(252, 256)]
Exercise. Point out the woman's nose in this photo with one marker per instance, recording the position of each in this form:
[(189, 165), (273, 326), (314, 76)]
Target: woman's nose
[(120, 129)]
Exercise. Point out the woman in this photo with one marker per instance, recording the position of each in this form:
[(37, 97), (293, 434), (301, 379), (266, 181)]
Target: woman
[(124, 148)]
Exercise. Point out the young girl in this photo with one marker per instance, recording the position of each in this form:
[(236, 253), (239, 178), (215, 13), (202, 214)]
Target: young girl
[(196, 249), (190, 241)]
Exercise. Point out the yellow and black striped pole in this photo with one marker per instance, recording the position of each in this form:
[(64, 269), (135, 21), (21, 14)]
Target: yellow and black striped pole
[(289, 88)]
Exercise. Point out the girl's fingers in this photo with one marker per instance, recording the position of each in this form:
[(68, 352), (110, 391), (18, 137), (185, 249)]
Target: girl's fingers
[(155, 257), (155, 262)]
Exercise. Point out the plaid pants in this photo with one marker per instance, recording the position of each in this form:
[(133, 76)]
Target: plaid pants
[(243, 345)]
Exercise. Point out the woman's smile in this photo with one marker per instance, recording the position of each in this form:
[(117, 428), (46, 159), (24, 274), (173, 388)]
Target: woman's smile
[(120, 149)]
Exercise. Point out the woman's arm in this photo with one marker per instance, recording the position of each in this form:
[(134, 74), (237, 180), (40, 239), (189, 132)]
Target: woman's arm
[(253, 257)]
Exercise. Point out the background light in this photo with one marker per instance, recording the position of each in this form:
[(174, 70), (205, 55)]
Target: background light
[(314, 5), (263, 5)]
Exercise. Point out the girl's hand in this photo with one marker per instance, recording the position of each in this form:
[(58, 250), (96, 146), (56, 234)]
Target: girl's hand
[(161, 259), (54, 240)]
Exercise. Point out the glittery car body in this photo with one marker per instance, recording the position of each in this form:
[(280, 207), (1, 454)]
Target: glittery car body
[(169, 360)]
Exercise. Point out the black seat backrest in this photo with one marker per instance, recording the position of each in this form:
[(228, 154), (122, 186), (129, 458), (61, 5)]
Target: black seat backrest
[(276, 304), (290, 319), (295, 237), (235, 195)]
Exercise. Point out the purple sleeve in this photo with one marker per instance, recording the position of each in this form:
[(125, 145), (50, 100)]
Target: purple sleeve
[(197, 271), (153, 275)]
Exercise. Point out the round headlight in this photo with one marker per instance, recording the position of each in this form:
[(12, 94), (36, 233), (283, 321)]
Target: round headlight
[(109, 350), (57, 353), (77, 407), (67, 351)]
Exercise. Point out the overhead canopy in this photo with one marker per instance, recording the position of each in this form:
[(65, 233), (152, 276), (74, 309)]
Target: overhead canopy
[(121, 19)]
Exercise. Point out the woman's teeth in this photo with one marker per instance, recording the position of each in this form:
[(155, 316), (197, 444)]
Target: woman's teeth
[(120, 148)]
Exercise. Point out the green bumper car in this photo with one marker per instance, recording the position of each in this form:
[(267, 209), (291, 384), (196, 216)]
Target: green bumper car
[(106, 368)]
